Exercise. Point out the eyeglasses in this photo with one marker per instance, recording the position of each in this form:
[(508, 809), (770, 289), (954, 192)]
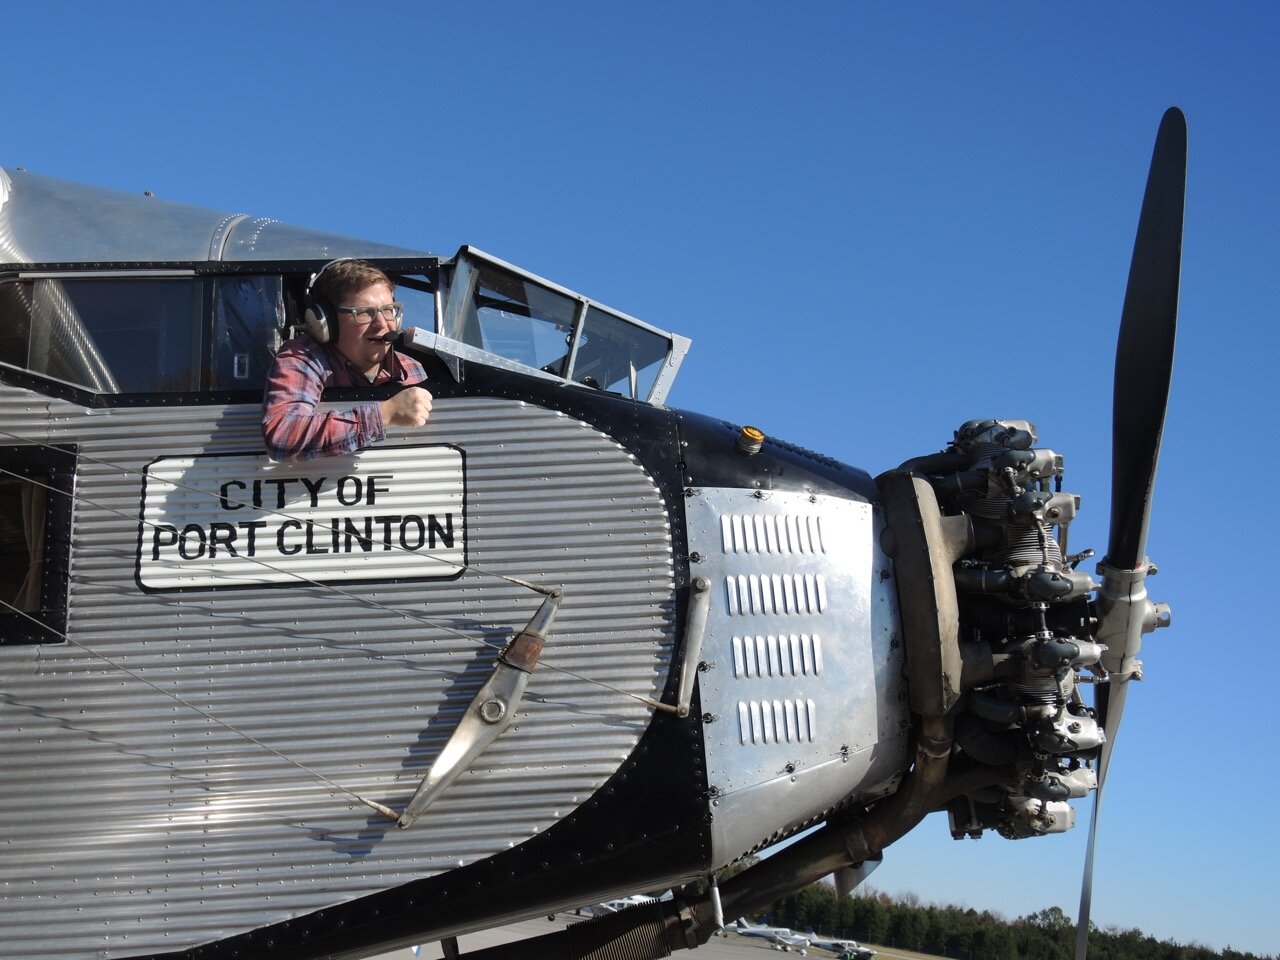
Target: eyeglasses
[(366, 315)]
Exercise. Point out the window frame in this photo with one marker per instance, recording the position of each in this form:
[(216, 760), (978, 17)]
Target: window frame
[(55, 467), (462, 283), (294, 275)]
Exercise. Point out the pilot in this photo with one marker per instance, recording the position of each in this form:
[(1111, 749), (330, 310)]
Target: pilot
[(359, 300)]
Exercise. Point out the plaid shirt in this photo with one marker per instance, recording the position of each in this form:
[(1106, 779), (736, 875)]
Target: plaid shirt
[(294, 429)]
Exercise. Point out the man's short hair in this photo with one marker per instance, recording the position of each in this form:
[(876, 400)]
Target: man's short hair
[(339, 281)]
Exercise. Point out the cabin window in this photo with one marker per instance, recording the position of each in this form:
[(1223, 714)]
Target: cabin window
[(117, 336), (144, 334), (36, 485)]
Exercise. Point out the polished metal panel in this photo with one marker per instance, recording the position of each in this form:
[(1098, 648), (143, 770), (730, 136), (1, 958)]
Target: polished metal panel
[(794, 655), (777, 721), (116, 783), (260, 238), (45, 220), (803, 698), (778, 594)]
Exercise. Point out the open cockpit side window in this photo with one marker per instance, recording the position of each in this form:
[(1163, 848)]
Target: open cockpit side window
[(418, 294), (248, 317), (36, 487)]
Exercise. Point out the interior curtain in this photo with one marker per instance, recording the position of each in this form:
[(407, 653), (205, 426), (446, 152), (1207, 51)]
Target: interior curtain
[(34, 501)]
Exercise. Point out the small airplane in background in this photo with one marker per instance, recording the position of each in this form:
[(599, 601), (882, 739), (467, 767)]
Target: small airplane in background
[(846, 949), (782, 936)]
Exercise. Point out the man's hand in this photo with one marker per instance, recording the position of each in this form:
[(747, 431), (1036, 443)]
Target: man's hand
[(408, 408)]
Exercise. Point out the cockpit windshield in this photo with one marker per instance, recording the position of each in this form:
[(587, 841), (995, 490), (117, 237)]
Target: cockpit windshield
[(519, 320), (504, 311)]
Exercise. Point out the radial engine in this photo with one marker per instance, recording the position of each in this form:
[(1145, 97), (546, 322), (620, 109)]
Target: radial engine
[(1023, 620)]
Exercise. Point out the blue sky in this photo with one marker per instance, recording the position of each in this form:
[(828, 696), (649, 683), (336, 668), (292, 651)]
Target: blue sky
[(875, 222)]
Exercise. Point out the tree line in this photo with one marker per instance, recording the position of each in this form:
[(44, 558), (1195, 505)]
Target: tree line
[(968, 934)]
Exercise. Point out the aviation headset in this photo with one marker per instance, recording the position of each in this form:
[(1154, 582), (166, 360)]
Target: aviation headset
[(319, 315)]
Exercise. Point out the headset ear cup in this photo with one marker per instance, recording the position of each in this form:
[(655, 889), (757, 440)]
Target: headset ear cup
[(318, 314), (316, 318)]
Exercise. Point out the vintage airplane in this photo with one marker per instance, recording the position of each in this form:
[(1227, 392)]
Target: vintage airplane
[(560, 644)]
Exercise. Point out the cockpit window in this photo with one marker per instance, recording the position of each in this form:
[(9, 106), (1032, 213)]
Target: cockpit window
[(523, 319), (419, 299), (618, 356), (520, 320)]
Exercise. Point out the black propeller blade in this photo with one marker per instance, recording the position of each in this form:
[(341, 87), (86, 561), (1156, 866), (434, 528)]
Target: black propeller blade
[(1144, 367), (1144, 353)]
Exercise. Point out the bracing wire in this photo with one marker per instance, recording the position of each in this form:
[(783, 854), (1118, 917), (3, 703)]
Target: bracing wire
[(446, 628), (548, 664), (385, 811), (210, 495), (328, 587)]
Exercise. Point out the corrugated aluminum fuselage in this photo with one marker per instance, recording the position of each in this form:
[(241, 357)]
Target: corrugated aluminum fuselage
[(112, 788), (178, 764), (252, 648)]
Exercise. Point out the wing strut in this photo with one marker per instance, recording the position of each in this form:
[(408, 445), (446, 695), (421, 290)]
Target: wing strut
[(490, 712)]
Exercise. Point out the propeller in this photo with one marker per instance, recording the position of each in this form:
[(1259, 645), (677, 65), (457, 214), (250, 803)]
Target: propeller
[(1144, 366)]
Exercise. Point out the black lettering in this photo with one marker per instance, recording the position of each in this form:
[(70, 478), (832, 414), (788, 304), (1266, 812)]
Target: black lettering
[(251, 528), (313, 488), (334, 526), (162, 529), (195, 532), (349, 500), (280, 498), (363, 540), (372, 489), (386, 522), (257, 493), (444, 533), (228, 504), (280, 545), (227, 538), (311, 544), (412, 520)]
